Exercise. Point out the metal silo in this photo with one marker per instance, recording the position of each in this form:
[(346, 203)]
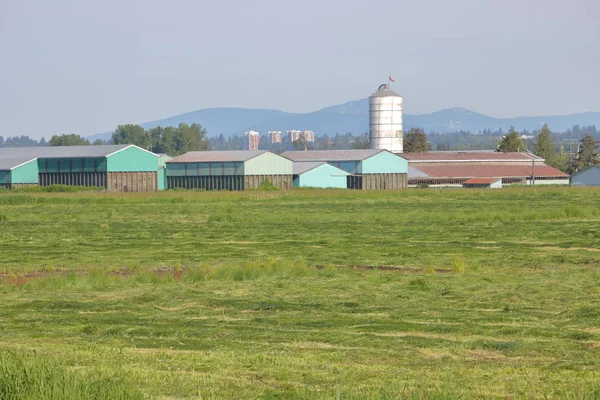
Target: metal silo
[(385, 120)]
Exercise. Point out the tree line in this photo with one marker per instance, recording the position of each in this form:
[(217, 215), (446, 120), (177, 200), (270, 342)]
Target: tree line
[(168, 140), (183, 138)]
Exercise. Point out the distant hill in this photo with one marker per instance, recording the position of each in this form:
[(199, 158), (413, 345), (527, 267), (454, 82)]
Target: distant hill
[(354, 117)]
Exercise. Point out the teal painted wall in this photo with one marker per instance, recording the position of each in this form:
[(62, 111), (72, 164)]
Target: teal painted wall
[(4, 177), (385, 163), (206, 169), (26, 173), (162, 160), (323, 176), (162, 178), (354, 167), (268, 164), (132, 159), (54, 165)]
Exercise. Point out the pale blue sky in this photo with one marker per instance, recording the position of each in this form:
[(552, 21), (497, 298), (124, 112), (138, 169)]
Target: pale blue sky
[(85, 66)]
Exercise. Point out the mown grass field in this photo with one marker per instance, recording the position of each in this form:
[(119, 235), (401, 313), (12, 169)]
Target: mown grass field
[(491, 294)]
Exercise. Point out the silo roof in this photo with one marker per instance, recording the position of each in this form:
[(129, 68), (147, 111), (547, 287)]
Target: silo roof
[(217, 156), (331, 155), (385, 93)]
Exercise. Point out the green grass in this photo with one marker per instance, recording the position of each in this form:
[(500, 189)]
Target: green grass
[(496, 293)]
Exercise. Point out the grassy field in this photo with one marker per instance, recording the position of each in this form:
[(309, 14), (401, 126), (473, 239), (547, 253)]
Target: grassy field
[(303, 294)]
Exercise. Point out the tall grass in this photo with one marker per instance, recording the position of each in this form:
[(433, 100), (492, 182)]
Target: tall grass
[(26, 376)]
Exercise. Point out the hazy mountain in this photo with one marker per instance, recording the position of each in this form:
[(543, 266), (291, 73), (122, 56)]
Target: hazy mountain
[(354, 117)]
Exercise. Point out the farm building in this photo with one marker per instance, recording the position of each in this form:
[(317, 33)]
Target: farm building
[(483, 183), (454, 168), (228, 170), (368, 169), (121, 168), (319, 174), (162, 171), (589, 176)]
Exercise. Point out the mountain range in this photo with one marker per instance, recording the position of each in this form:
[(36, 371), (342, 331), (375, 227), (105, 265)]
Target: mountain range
[(354, 117)]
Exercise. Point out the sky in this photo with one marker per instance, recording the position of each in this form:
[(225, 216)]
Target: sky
[(72, 66)]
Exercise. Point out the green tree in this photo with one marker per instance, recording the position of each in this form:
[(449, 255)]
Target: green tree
[(511, 143), (190, 138), (415, 141), (544, 146), (587, 154), (98, 142), (131, 134), (301, 143), (68, 140), (361, 142)]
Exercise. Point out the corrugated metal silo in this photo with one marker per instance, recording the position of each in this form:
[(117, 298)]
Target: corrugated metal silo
[(385, 120)]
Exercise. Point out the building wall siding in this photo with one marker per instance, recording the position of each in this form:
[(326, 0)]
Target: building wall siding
[(353, 167), (4, 178), (132, 159), (26, 174), (268, 164), (254, 181), (538, 181), (67, 165), (323, 176), (206, 169), (230, 182), (385, 163), (144, 181), (88, 179), (384, 181), (161, 176)]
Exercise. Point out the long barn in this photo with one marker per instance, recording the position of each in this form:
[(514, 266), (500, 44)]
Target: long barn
[(228, 170), (447, 168), (120, 168)]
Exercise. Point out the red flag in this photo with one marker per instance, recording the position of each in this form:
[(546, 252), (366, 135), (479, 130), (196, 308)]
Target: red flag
[(391, 79)]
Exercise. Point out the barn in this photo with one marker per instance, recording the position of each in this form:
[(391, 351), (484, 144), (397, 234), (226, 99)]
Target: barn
[(121, 168), (228, 170), (589, 176), (368, 168), (319, 174), (455, 168)]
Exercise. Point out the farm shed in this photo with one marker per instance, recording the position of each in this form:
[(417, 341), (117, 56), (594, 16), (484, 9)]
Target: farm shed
[(589, 176), (319, 174), (228, 170), (368, 169), (121, 168), (454, 168), (483, 183), (16, 172)]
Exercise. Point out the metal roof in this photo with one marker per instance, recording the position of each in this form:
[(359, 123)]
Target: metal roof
[(416, 173), (301, 167), (6, 164), (481, 181), (331, 155), (62, 151), (217, 156), (451, 171), (385, 93), (468, 156)]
